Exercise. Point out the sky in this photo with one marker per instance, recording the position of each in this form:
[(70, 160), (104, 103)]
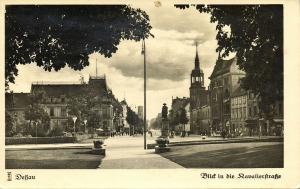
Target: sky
[(170, 60)]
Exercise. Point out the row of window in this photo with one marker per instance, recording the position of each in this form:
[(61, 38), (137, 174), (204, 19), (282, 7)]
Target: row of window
[(197, 79), (239, 100), (56, 100), (238, 113), (62, 112)]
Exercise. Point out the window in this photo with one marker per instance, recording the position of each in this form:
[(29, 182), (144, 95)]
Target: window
[(250, 112), (51, 111), (244, 112), (241, 112), (255, 110), (63, 112)]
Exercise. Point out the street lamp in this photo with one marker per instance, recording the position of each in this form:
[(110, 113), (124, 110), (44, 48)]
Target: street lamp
[(74, 120), (85, 121), (144, 53)]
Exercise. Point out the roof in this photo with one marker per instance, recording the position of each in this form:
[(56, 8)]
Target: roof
[(178, 103), (222, 67), (59, 89), (97, 86), (239, 92), (17, 100)]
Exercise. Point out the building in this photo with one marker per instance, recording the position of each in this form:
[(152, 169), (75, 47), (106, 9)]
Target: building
[(202, 120), (247, 119), (141, 112), (198, 93), (239, 114), (125, 124), (223, 82), (174, 114), (60, 96)]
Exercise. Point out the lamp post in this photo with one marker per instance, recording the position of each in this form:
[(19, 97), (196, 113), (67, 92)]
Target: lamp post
[(85, 121), (74, 121), (144, 53)]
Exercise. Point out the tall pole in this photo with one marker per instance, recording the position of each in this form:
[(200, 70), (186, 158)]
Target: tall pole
[(96, 68), (144, 51)]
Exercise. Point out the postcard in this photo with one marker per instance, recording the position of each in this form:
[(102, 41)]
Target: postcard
[(150, 94)]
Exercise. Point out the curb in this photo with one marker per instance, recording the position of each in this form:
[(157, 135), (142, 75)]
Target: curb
[(185, 143)]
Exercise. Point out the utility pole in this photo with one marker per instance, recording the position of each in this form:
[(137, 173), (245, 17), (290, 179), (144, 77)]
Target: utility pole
[(144, 53), (96, 68)]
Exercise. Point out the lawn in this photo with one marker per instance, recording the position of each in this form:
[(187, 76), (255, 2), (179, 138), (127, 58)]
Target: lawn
[(232, 155), (78, 158)]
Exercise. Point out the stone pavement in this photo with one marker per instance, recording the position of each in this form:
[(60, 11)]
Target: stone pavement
[(127, 153)]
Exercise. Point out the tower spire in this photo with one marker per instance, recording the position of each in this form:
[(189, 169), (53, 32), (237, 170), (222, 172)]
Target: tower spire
[(197, 57)]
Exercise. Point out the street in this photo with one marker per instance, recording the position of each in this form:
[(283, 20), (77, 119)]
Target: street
[(126, 152), (231, 155)]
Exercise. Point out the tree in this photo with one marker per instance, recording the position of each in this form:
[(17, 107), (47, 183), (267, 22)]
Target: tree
[(132, 119), (9, 124), (93, 120), (36, 113), (256, 36), (183, 117), (53, 36)]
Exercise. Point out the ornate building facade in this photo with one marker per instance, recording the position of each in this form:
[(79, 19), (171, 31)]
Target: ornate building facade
[(107, 111)]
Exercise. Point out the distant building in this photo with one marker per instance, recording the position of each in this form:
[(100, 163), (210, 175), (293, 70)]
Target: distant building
[(124, 115), (141, 112)]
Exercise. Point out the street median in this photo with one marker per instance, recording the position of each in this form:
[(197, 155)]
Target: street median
[(230, 140)]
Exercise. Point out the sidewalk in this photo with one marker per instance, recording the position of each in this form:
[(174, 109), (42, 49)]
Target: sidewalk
[(48, 146), (128, 153)]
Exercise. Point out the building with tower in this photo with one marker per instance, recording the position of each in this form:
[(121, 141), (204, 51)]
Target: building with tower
[(198, 93), (224, 80)]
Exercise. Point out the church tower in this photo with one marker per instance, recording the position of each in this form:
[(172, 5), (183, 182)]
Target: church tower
[(198, 94)]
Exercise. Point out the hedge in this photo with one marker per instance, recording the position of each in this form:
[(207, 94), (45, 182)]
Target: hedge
[(38, 140)]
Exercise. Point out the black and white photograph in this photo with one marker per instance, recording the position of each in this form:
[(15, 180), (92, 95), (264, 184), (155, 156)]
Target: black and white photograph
[(150, 94), (132, 86)]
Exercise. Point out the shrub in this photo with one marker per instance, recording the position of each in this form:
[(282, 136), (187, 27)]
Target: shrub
[(38, 140)]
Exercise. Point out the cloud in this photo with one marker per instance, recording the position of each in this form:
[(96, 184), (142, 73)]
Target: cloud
[(170, 59), (170, 55)]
